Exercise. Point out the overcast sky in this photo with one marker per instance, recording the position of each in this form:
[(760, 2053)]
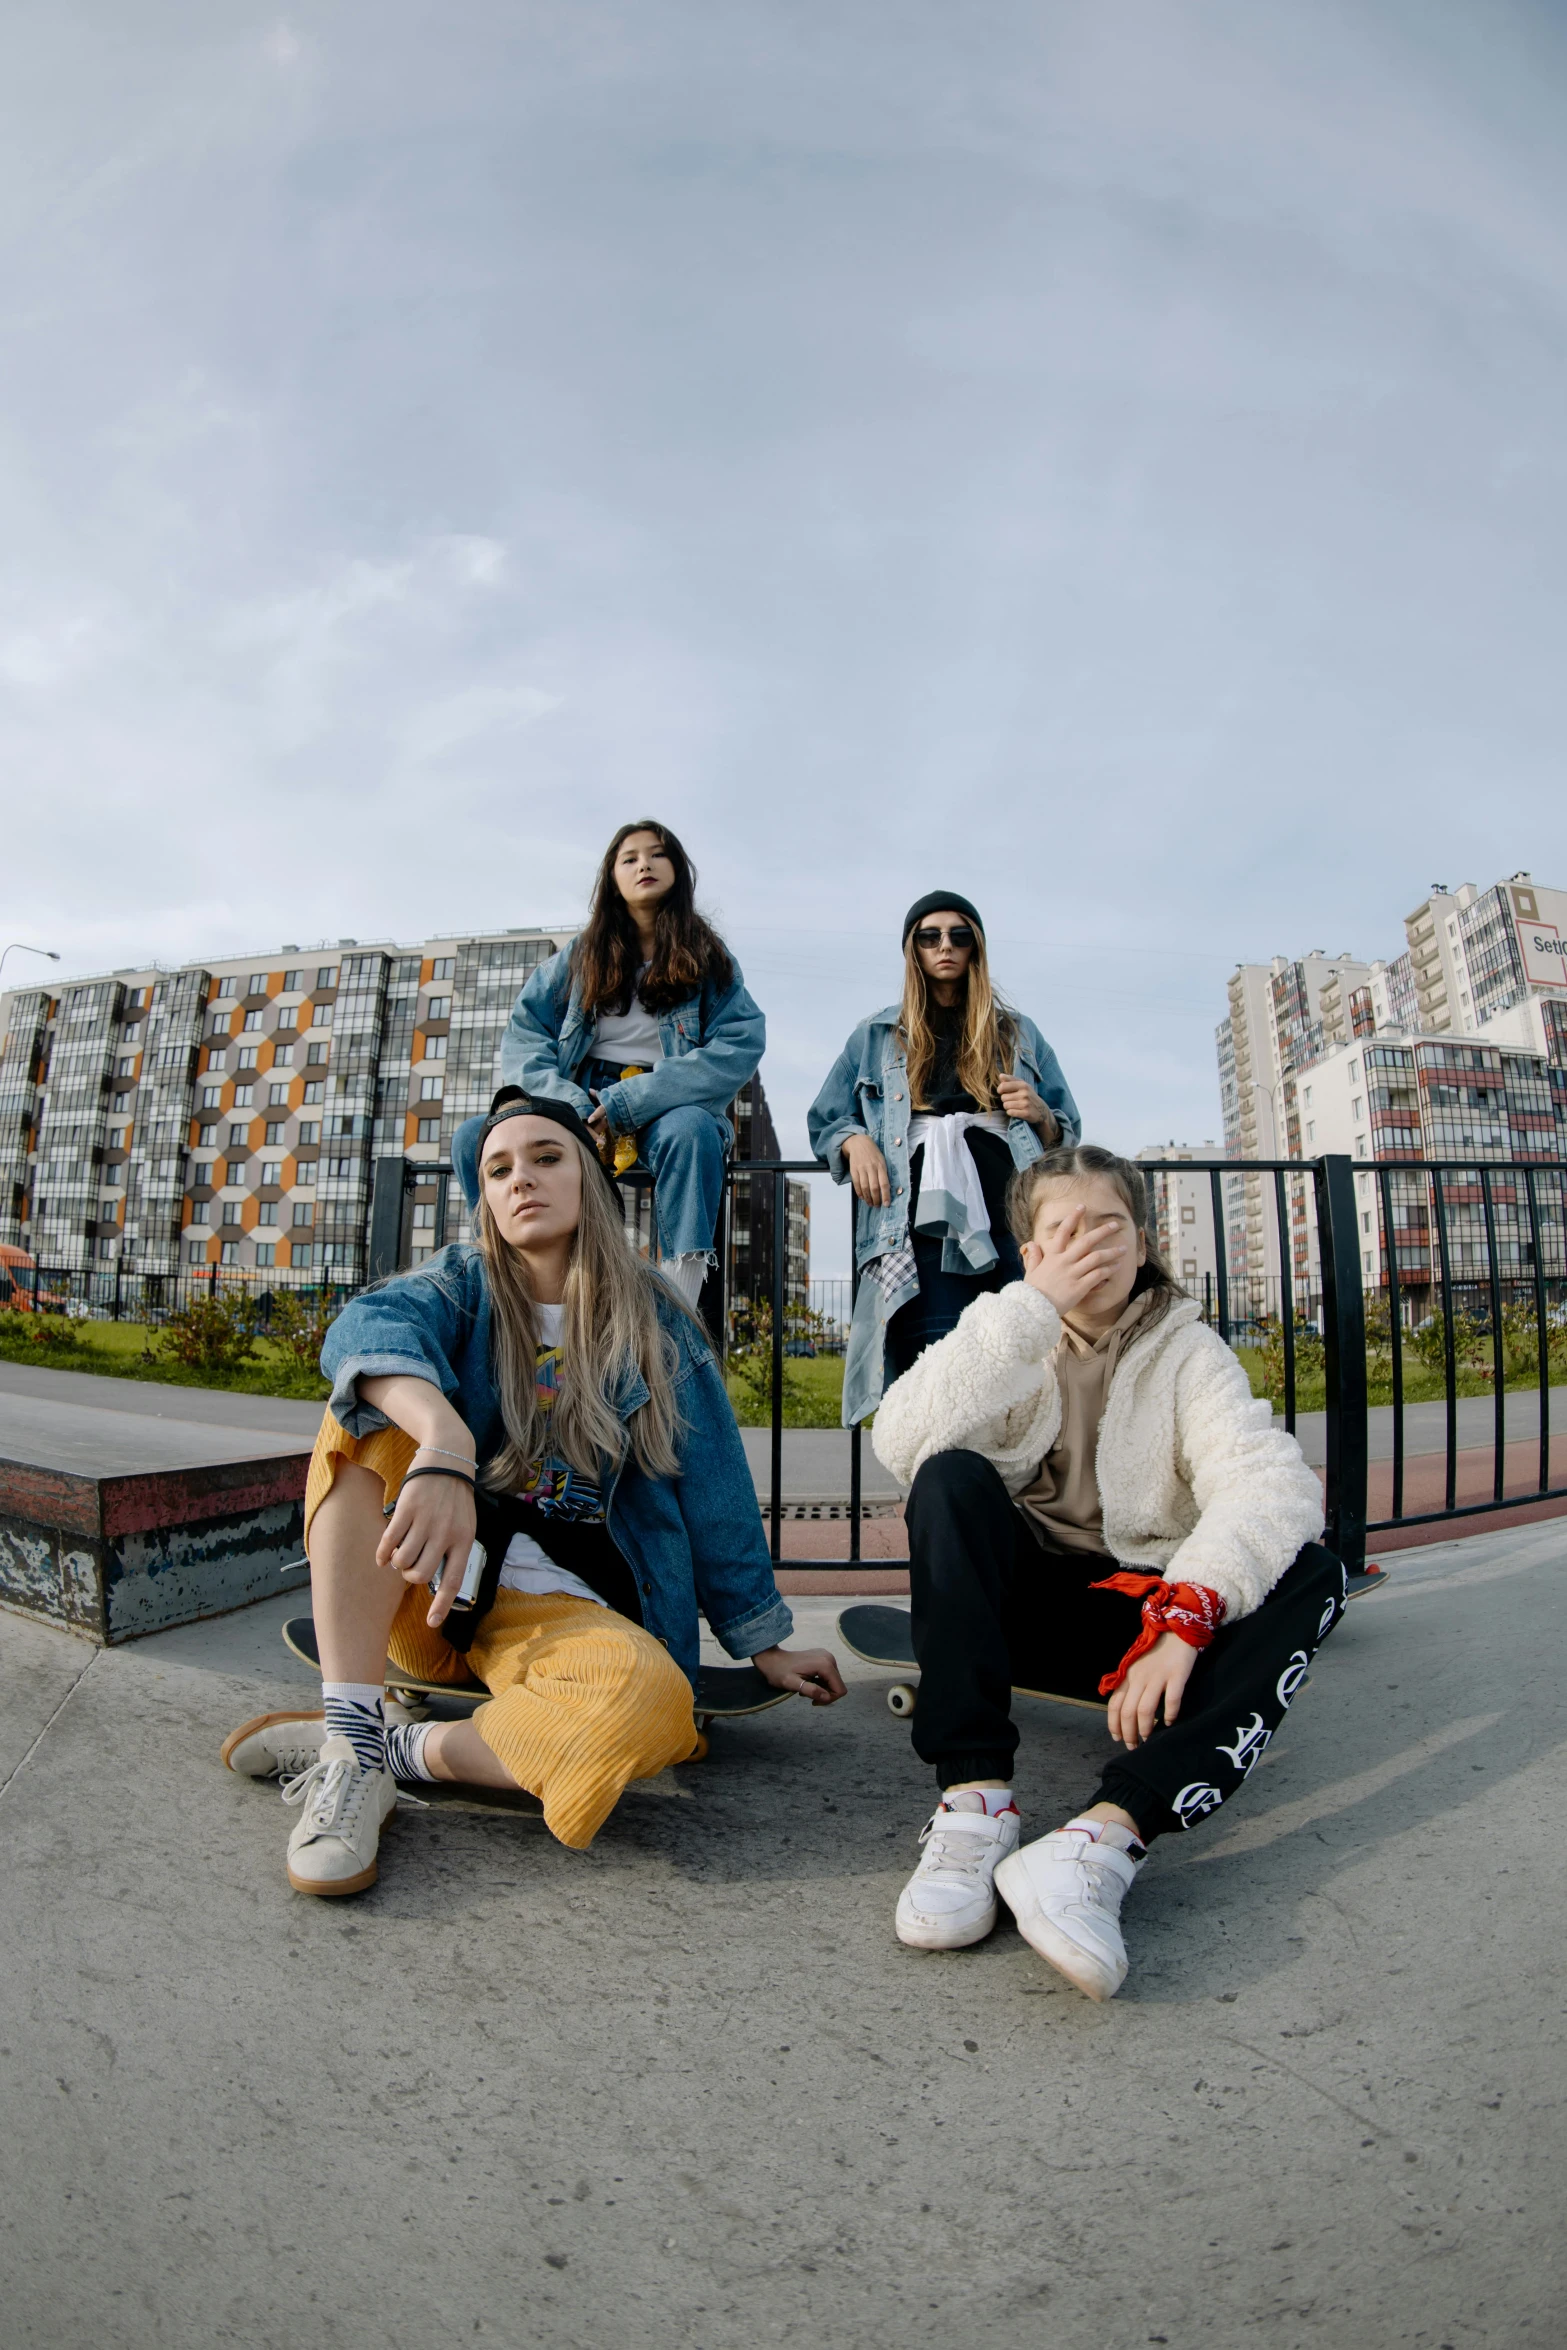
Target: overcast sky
[(1105, 456)]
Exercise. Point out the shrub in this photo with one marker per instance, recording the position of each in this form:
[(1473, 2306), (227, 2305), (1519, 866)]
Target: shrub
[(1310, 1358), (300, 1320), (216, 1335)]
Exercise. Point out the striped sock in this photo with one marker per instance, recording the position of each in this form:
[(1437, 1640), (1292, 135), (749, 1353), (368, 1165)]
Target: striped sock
[(356, 1710), (405, 1750)]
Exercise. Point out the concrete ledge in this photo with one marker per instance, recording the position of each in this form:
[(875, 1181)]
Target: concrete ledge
[(119, 1555)]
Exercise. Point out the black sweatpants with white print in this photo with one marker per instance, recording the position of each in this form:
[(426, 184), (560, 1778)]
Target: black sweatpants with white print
[(993, 1609)]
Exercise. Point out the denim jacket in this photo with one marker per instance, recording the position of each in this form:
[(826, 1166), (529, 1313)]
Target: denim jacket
[(867, 1092), (713, 1045), (693, 1541)]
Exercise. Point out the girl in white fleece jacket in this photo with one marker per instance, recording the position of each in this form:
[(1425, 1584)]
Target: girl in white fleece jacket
[(1097, 1507)]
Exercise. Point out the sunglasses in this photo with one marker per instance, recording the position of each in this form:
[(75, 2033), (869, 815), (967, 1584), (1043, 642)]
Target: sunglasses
[(960, 934)]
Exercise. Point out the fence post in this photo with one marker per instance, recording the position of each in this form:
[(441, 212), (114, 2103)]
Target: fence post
[(1344, 1345)]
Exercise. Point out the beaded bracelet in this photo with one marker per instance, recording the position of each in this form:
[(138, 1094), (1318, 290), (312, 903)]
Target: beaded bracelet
[(447, 1453)]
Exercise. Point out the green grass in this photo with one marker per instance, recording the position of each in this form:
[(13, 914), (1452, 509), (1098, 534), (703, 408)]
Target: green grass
[(1420, 1385), (118, 1350), (813, 1394)]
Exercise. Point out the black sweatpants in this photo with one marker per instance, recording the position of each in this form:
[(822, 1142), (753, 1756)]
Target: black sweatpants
[(994, 1609)]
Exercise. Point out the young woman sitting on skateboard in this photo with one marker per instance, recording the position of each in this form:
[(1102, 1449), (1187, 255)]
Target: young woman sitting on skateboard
[(546, 1384), (1097, 1507)]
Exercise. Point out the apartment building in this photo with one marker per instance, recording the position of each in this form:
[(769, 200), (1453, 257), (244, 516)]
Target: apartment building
[(1182, 1206), (286, 1114)]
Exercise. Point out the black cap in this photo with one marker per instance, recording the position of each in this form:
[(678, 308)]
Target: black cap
[(511, 1102), (937, 901)]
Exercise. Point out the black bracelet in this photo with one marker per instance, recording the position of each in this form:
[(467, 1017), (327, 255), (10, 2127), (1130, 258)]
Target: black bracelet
[(411, 1474)]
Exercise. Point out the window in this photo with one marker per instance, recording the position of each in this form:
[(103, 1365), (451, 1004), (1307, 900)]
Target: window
[(340, 1167), (257, 986), (212, 1097), (207, 1138), (1189, 1268), (116, 1138), (125, 1066), (233, 1211), (267, 1212), (439, 1007), (1306, 1097), (1311, 1133), (271, 1169), (287, 1019), (274, 1137), (231, 1252), (327, 975), (244, 1097), (1360, 1146), (309, 1131), (1366, 1259), (431, 1089), (424, 1216), (1188, 1215), (108, 1211), (249, 1054), (435, 1048), (321, 1017), (316, 1055), (1356, 1107), (1354, 1072), (277, 1097), (444, 967), (252, 1019), (429, 1130), (195, 1252), (302, 1254), (408, 969), (133, 1032), (217, 1058), (114, 1174), (227, 987), (315, 1093), (122, 1101), (198, 1212), (1365, 1222), (283, 1056), (304, 1213), (293, 981), (266, 1253)]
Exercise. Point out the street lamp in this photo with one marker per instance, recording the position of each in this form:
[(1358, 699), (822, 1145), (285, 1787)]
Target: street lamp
[(18, 947)]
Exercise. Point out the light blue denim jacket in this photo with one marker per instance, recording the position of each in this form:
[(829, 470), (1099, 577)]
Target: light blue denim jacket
[(713, 1045), (693, 1541), (867, 1092)]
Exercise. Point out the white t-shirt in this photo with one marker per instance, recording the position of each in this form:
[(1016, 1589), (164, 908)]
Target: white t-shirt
[(630, 1037), (526, 1567)]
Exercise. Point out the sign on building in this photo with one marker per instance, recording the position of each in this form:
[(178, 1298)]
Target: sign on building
[(1541, 919)]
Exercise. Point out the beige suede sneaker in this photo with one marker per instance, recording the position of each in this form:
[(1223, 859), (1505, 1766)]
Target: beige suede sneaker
[(333, 1846)]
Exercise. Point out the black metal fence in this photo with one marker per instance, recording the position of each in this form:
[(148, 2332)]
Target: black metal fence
[(1330, 1275)]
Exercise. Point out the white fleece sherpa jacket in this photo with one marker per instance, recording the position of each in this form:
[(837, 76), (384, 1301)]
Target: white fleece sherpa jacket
[(1196, 1482)]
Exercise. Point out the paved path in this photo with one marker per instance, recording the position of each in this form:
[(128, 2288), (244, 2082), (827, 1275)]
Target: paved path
[(687, 2089)]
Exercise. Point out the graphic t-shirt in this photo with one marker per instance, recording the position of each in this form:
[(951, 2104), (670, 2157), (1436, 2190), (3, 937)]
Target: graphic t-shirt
[(552, 1487)]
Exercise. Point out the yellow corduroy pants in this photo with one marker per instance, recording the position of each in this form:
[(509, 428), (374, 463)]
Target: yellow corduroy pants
[(582, 1701)]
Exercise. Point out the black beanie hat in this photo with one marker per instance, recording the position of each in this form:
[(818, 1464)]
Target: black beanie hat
[(939, 901), (511, 1102)]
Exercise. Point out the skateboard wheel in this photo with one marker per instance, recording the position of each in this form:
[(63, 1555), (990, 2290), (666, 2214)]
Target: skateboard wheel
[(699, 1751), (900, 1699)]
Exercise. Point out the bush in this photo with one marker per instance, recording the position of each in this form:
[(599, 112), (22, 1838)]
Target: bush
[(216, 1335), (1310, 1358), (300, 1320), (25, 1333)]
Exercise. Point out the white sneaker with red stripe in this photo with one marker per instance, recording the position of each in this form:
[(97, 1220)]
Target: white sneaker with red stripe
[(950, 1900)]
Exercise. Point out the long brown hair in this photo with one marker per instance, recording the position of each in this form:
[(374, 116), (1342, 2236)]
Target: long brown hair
[(611, 1331), (1074, 1163), (686, 950), (989, 1031)]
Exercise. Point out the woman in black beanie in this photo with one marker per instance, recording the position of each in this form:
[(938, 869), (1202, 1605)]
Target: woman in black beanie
[(928, 1111)]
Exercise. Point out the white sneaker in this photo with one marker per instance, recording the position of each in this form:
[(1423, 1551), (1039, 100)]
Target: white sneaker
[(332, 1848), (279, 1746), (950, 1900), (1066, 1892)]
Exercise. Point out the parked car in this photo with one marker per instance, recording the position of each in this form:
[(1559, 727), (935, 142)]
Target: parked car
[(17, 1284)]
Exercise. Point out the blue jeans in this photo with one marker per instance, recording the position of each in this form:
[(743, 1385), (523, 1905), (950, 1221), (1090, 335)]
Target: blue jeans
[(943, 1298), (684, 1151)]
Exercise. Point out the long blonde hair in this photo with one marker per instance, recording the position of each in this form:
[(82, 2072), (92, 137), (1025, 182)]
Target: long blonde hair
[(611, 1334), (989, 1031)]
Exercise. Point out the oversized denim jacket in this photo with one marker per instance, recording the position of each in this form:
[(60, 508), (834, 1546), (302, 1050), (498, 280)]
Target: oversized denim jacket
[(713, 1045), (693, 1541), (867, 1092)]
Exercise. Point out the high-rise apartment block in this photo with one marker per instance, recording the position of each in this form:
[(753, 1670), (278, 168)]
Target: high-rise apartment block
[(1455, 1049)]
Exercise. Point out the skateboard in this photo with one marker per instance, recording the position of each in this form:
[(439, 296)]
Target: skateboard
[(880, 1636), (723, 1692)]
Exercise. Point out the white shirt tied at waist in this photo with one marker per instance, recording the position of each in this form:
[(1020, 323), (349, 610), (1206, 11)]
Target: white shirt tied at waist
[(952, 1199)]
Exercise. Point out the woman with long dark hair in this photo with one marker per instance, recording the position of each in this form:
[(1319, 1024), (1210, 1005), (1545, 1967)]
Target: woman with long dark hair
[(930, 1108), (645, 1027), (544, 1386)]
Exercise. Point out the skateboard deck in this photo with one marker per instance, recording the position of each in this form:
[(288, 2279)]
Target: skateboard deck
[(880, 1636), (723, 1692)]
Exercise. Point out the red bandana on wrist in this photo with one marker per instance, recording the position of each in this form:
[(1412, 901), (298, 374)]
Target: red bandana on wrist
[(1190, 1610)]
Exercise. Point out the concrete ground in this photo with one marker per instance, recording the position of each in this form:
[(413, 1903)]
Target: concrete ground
[(687, 2090)]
